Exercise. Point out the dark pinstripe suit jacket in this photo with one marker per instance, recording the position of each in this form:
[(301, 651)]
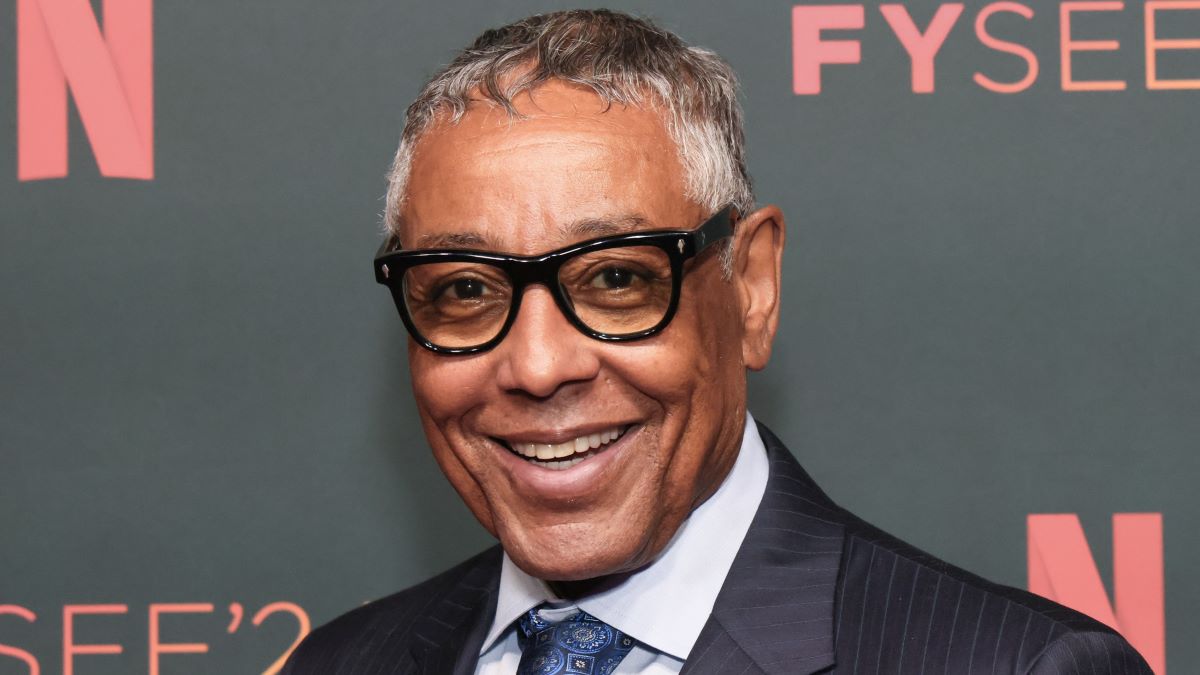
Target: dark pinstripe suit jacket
[(812, 590)]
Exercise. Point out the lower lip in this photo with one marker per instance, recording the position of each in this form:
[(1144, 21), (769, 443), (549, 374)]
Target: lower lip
[(570, 482)]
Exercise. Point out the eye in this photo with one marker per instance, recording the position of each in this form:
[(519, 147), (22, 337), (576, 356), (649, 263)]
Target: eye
[(463, 289), (613, 278)]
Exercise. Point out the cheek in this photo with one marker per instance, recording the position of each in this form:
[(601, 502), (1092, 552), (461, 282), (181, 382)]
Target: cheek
[(689, 367), (446, 387), (711, 377), (693, 371), (447, 390), (710, 334)]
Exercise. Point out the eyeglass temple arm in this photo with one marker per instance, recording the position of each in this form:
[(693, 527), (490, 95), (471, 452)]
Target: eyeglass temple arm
[(714, 229)]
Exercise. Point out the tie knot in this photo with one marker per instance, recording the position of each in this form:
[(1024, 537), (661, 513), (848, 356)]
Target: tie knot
[(580, 643)]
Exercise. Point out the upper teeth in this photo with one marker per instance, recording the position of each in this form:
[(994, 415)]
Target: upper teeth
[(546, 451)]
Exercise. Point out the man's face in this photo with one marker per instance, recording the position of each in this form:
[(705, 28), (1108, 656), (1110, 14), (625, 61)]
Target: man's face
[(668, 409)]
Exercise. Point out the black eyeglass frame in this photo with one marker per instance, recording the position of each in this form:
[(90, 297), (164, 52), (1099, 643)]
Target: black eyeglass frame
[(679, 245)]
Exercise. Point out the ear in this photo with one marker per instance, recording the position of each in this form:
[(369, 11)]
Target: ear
[(757, 275)]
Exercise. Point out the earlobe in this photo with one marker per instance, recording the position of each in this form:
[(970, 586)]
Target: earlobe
[(758, 268)]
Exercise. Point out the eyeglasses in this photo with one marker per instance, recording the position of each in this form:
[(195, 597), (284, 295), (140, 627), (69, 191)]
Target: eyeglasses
[(623, 287)]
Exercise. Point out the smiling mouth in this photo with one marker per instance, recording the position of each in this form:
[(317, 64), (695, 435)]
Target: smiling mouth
[(559, 456)]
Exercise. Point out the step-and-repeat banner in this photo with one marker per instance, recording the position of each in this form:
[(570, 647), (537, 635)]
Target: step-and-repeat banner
[(207, 438)]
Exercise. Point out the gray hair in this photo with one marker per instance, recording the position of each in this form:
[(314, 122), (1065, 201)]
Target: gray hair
[(622, 59)]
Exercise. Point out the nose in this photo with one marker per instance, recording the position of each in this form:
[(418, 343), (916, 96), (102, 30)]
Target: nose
[(543, 351)]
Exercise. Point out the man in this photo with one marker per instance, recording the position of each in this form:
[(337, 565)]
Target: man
[(577, 256)]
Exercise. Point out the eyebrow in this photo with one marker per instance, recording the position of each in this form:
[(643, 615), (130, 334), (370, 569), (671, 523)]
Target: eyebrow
[(584, 228), (602, 227), (454, 240)]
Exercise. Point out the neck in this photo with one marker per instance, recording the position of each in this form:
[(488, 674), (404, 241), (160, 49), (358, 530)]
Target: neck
[(574, 590)]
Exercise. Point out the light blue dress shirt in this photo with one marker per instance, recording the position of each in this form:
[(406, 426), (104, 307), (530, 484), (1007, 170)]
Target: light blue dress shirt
[(665, 605)]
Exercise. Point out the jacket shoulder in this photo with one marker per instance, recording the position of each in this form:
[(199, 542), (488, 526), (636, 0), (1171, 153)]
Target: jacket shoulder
[(381, 630), (1090, 652), (917, 603), (899, 609)]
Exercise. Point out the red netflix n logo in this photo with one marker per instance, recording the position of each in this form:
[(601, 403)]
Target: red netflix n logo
[(1061, 567), (59, 45)]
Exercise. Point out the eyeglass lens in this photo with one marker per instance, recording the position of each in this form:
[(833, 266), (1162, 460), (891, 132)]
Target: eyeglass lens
[(615, 291)]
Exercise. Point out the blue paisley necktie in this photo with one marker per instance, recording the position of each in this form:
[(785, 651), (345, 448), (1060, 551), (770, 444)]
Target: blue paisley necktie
[(580, 644)]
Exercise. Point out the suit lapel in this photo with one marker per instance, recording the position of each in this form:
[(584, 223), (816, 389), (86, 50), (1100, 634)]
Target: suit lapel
[(449, 638), (774, 613)]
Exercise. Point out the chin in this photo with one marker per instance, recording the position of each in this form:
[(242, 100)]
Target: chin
[(558, 560)]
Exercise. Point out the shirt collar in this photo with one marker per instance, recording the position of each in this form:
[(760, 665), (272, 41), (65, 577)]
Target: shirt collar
[(665, 604)]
